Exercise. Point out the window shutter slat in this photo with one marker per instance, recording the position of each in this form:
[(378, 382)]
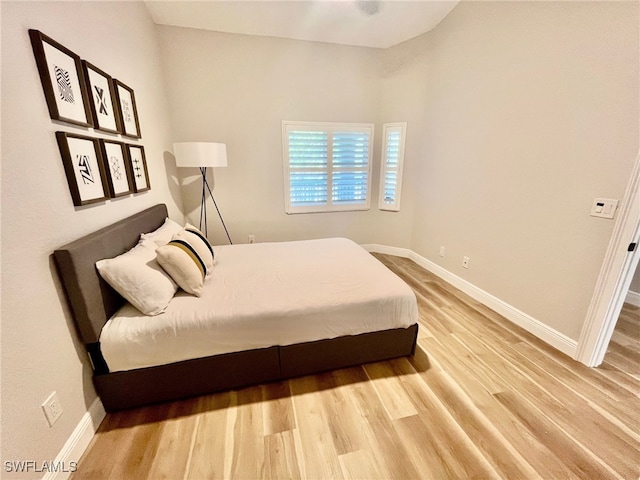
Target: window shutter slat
[(308, 149), (308, 188)]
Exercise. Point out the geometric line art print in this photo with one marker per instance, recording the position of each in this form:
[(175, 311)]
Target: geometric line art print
[(137, 168), (102, 102), (115, 168), (64, 84), (85, 169), (126, 111)]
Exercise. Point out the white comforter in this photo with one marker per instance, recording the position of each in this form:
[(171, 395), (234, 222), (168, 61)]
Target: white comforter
[(262, 295)]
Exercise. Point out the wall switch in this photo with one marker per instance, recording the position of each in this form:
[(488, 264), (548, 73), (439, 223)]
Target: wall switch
[(252, 239), (604, 207), (52, 408), (442, 249), (465, 262)]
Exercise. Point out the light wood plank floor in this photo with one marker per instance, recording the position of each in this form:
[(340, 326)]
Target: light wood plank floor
[(480, 399)]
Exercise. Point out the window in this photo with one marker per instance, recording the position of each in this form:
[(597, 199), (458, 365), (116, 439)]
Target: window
[(392, 158), (327, 166)]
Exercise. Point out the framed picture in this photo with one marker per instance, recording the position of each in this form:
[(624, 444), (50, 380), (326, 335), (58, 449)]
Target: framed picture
[(119, 178), (139, 170), (83, 165), (103, 102), (128, 113), (62, 80)]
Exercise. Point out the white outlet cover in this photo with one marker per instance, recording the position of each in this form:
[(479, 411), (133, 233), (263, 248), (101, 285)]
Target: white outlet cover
[(52, 408)]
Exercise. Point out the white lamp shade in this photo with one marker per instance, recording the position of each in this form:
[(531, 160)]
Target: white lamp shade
[(200, 154)]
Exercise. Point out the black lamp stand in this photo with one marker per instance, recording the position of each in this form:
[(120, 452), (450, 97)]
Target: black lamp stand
[(203, 205)]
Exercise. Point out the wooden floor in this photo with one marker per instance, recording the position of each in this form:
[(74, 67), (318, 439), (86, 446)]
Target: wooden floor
[(480, 399)]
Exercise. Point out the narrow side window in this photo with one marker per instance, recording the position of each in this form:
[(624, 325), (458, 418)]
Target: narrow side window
[(392, 158)]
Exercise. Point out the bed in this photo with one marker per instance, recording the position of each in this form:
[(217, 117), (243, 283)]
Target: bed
[(289, 326)]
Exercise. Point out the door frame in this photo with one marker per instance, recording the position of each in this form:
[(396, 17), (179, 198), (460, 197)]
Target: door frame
[(615, 277)]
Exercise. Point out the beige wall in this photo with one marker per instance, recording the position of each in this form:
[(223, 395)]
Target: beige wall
[(237, 90), (40, 352), (526, 111)]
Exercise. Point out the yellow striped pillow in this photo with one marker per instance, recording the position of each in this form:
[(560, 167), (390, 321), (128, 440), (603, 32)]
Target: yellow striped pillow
[(199, 243), (183, 263)]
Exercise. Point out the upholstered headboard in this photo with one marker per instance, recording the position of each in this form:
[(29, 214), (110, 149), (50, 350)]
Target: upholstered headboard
[(92, 300)]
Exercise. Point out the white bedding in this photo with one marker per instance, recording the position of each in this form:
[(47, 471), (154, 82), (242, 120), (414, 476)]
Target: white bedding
[(261, 295)]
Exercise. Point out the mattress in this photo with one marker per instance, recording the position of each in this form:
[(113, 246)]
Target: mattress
[(261, 295)]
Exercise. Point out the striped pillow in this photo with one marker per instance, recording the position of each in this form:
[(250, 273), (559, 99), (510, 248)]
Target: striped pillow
[(199, 243), (188, 259)]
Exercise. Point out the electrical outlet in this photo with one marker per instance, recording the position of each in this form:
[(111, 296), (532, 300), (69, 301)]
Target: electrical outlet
[(52, 408), (442, 249), (252, 239), (465, 262)]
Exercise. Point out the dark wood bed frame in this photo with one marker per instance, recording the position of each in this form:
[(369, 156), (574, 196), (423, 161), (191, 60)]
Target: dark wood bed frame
[(93, 302)]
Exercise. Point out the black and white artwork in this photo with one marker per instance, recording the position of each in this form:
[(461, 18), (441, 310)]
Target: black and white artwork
[(139, 170), (103, 102), (62, 80), (128, 113), (83, 166), (119, 178)]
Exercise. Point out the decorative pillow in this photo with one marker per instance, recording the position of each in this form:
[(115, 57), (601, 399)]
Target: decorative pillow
[(188, 258), (199, 243), (137, 276), (182, 262), (163, 235)]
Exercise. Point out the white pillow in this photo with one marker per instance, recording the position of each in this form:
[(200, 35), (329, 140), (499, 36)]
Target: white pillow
[(163, 235), (137, 276), (188, 259)]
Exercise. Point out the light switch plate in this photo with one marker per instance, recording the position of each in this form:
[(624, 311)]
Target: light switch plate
[(604, 207)]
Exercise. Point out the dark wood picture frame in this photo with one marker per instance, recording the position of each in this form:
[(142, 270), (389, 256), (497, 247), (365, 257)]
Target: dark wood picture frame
[(129, 125), (103, 103), (117, 168), (84, 167), (139, 171), (62, 79)]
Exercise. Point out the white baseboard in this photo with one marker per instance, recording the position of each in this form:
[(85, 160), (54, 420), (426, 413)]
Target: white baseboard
[(633, 298), (398, 252), (78, 441), (542, 331)]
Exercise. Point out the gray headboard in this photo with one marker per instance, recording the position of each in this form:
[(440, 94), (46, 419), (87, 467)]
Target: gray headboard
[(92, 300)]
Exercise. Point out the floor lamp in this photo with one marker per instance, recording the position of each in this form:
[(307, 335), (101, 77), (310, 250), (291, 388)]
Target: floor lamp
[(203, 155)]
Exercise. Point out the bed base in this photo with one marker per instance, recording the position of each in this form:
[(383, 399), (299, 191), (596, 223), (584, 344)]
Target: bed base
[(175, 381)]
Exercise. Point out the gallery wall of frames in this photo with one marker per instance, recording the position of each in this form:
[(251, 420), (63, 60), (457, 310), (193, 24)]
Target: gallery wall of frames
[(80, 94)]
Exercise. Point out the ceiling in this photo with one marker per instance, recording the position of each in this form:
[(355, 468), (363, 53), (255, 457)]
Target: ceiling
[(365, 23)]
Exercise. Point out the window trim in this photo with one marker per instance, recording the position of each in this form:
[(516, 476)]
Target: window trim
[(329, 127), (382, 205)]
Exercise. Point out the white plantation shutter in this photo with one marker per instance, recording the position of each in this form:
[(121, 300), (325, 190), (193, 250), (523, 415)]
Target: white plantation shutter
[(327, 166), (350, 168), (392, 158), (308, 165)]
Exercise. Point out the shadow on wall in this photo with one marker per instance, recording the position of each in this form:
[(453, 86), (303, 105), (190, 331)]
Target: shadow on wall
[(174, 181), (185, 186)]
